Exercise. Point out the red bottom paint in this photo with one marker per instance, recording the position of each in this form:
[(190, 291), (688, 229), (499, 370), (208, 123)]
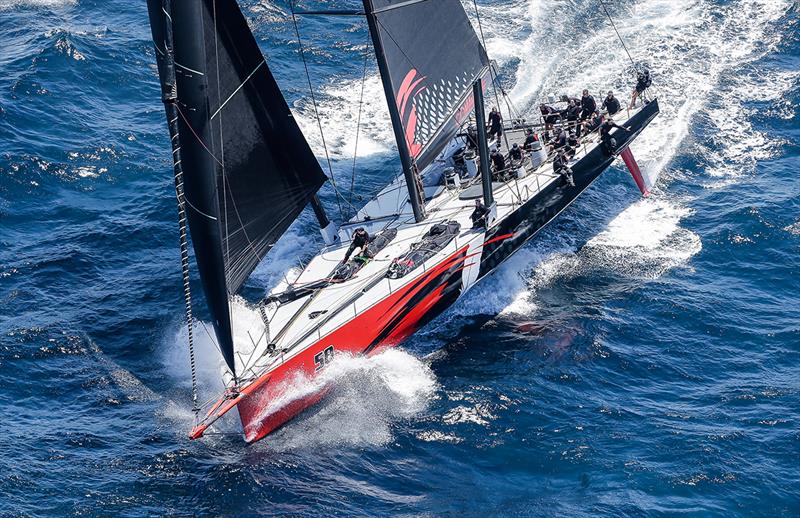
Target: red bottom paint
[(633, 167)]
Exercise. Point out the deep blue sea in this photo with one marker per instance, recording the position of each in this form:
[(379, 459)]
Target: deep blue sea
[(640, 357)]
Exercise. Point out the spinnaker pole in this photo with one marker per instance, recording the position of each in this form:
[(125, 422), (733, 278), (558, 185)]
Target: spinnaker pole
[(409, 169)]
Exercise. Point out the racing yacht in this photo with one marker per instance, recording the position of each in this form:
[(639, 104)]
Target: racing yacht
[(244, 172)]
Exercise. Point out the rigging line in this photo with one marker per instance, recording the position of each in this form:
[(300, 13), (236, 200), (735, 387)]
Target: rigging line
[(491, 71), (188, 125), (314, 102), (603, 4), (358, 126)]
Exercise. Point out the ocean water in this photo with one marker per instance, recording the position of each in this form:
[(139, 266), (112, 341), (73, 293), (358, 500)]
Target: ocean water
[(640, 357)]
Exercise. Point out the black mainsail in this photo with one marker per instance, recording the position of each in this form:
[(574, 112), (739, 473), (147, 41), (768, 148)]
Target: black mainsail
[(248, 171), (432, 57)]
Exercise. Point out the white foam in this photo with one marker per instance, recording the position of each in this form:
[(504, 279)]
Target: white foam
[(645, 240), (338, 109), (370, 395), (13, 4)]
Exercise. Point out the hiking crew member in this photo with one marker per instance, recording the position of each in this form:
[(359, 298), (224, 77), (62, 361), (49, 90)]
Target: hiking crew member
[(560, 141), (572, 144), (609, 142), (360, 240), (643, 82), (595, 122), (495, 125), (561, 167), (611, 104), (588, 105)]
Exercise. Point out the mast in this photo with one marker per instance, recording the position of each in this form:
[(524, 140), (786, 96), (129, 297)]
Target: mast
[(417, 203), (483, 146), (201, 186)]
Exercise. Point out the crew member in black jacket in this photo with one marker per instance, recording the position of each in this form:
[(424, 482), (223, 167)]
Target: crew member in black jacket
[(611, 104)]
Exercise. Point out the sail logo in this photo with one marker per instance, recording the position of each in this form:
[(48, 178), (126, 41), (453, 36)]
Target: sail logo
[(409, 89)]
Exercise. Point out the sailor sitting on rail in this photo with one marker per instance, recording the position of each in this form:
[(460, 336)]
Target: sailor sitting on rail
[(561, 166), (560, 140), (360, 240), (572, 144), (594, 123)]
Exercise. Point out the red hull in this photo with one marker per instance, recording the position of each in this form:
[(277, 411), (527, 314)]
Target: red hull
[(268, 402)]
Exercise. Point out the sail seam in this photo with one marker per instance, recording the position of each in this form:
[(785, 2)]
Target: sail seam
[(237, 90)]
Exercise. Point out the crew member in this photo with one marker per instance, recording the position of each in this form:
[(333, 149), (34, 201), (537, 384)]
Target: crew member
[(495, 125), (515, 153), (588, 105), (561, 140), (530, 138), (479, 215), (609, 142), (498, 161), (643, 82), (572, 144), (561, 167), (550, 116), (472, 137), (360, 240), (595, 122), (572, 113), (611, 104)]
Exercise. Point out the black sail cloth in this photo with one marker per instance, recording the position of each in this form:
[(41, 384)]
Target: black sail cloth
[(434, 57), (248, 170)]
